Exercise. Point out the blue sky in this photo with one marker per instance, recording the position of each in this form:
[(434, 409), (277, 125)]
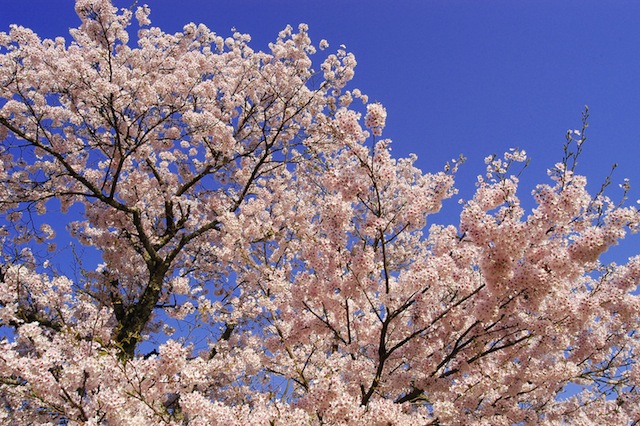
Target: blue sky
[(456, 76)]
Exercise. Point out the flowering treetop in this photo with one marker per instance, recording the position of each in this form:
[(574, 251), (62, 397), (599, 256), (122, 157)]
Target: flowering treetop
[(265, 260)]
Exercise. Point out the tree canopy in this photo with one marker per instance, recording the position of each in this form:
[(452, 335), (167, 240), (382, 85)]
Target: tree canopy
[(266, 260)]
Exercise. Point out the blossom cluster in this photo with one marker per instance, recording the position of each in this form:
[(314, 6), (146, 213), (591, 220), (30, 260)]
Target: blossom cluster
[(375, 118)]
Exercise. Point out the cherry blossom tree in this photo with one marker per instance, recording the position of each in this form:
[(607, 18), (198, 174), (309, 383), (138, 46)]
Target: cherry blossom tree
[(264, 258)]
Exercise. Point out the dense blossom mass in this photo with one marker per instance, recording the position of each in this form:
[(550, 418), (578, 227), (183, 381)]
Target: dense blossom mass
[(265, 260)]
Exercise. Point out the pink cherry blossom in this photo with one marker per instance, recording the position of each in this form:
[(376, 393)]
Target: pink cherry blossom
[(264, 259)]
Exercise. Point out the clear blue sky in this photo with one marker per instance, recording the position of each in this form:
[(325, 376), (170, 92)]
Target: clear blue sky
[(474, 77)]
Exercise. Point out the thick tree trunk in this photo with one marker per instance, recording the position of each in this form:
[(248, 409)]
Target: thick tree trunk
[(133, 319)]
